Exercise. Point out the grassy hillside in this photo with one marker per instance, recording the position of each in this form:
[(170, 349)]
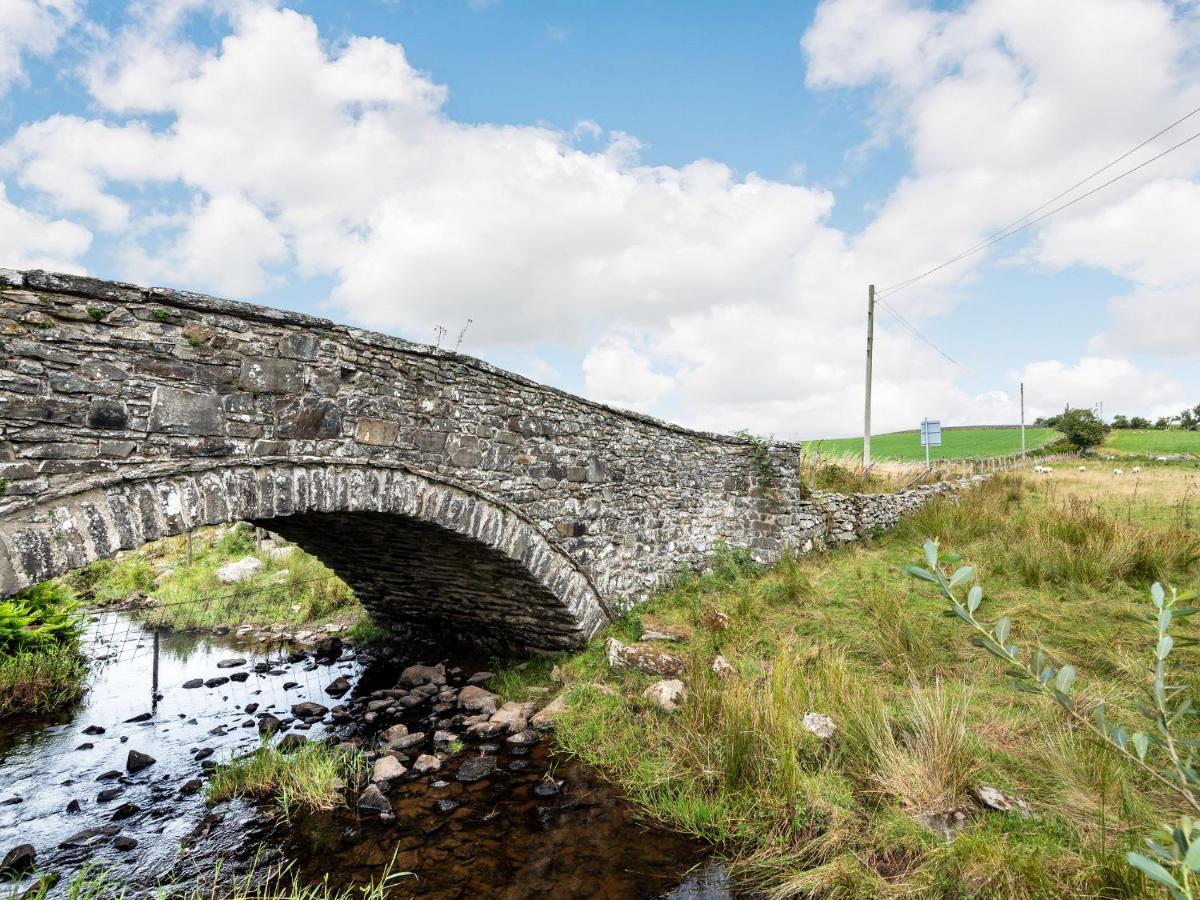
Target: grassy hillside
[(956, 443), (1173, 440), (923, 716), (291, 588)]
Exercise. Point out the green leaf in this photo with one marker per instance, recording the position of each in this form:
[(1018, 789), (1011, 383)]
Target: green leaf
[(1000, 629), (1165, 643), (1152, 870), (918, 572), (1164, 620), (994, 649), (974, 598), (1119, 736), (1192, 858), (931, 555), (1184, 708), (1065, 679), (951, 557), (1156, 594), (962, 575), (1141, 743)]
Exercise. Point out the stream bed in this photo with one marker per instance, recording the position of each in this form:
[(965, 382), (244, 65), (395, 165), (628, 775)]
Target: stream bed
[(537, 825)]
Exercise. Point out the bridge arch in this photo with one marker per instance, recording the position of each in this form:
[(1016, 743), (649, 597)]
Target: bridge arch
[(420, 551)]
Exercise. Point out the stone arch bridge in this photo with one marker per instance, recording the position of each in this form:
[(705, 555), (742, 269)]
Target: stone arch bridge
[(454, 498)]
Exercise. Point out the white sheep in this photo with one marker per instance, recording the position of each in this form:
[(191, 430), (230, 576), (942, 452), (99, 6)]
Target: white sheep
[(1083, 468), (1118, 471), (1137, 470)]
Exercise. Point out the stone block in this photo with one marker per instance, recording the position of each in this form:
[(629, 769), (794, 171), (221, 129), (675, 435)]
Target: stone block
[(266, 375), (299, 346), (176, 411), (107, 415), (66, 383), (307, 418), (466, 457), (117, 449), (430, 441), (376, 432)]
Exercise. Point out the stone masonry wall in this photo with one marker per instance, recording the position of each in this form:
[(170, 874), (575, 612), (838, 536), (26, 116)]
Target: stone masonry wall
[(103, 384)]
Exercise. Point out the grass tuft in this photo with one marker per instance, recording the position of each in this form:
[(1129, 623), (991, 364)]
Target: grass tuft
[(312, 778), (40, 681)]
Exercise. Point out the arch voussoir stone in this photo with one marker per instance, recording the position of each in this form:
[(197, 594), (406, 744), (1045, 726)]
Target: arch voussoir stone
[(381, 529)]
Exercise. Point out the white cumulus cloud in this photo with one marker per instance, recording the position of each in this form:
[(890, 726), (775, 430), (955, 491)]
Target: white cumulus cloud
[(31, 28), (722, 298)]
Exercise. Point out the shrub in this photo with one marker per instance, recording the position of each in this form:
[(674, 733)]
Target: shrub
[(1081, 428), (1161, 752)]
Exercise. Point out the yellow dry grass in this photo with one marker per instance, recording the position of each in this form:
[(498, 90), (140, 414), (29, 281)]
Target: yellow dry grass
[(1159, 494)]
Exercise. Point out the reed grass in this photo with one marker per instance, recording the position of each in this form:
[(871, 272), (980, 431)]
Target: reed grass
[(260, 882)]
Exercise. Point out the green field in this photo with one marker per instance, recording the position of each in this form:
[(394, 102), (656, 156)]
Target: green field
[(956, 443), (1173, 440)]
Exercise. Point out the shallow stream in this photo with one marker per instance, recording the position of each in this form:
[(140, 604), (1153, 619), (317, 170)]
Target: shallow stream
[(538, 826)]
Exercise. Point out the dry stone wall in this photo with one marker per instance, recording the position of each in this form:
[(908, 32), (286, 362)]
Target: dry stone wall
[(127, 413)]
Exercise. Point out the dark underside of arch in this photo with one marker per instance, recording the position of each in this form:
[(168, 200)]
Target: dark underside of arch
[(421, 578)]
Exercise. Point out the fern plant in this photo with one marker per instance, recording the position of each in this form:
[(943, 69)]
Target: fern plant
[(1158, 750), (39, 617)]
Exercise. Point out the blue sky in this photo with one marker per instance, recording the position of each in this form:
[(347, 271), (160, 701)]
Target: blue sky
[(673, 206)]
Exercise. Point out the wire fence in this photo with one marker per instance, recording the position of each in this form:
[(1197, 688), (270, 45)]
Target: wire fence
[(126, 631)]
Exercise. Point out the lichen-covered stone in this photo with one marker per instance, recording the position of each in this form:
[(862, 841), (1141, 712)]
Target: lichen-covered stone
[(668, 694), (645, 658)]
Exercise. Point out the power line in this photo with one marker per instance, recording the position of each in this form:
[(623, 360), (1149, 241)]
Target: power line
[(916, 332), (1025, 221)]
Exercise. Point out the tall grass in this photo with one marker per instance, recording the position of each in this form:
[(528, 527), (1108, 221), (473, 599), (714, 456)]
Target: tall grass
[(40, 681), (1072, 543), (261, 882), (845, 474), (41, 668), (841, 633)]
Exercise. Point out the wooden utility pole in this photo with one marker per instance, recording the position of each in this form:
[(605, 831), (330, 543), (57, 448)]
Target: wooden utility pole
[(870, 352), (1022, 420)]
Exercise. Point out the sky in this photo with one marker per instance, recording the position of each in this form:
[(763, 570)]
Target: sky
[(674, 207)]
